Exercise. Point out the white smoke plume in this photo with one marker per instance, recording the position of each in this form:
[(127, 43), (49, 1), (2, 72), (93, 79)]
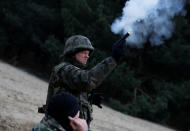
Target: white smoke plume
[(148, 20)]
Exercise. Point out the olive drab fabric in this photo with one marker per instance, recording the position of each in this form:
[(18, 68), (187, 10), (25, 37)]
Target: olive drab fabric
[(75, 43), (48, 124), (67, 77), (70, 77)]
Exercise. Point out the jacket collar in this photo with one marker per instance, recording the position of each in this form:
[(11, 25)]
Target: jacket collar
[(74, 62), (52, 123)]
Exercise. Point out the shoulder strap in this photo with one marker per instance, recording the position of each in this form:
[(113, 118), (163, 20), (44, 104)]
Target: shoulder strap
[(58, 67)]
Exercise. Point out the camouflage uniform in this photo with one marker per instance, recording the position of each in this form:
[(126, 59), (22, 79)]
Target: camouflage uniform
[(68, 76), (48, 124)]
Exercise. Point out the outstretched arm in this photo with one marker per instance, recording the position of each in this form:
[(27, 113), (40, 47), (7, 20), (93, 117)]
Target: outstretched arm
[(86, 80)]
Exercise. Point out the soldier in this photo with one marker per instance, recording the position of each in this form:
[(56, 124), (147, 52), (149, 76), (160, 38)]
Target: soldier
[(70, 75), (62, 115)]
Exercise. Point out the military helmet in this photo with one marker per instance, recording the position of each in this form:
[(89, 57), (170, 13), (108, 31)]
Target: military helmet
[(77, 43)]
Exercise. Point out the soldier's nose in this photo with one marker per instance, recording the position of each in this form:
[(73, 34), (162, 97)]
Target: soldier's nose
[(86, 55)]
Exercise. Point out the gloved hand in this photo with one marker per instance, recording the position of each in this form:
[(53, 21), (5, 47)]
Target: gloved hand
[(118, 49), (118, 52), (96, 99)]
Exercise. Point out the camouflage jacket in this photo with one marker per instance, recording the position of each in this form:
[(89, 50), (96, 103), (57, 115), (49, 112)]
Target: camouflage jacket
[(48, 124), (67, 77)]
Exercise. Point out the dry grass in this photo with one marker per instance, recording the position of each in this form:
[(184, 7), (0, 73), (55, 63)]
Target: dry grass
[(21, 94)]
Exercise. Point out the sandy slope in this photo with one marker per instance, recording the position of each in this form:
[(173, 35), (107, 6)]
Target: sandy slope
[(21, 94)]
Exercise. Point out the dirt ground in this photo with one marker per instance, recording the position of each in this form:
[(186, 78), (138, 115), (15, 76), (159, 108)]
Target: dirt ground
[(22, 93)]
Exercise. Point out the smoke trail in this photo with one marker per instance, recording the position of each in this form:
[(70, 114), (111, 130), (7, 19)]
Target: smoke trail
[(148, 20)]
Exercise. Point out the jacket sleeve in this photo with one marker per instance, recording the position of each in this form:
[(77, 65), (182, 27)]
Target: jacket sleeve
[(86, 80)]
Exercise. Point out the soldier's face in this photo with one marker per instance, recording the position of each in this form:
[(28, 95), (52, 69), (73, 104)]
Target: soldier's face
[(82, 56)]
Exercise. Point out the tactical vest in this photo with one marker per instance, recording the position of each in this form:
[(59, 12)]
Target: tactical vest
[(57, 85)]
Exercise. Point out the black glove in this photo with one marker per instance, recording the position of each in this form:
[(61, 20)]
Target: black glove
[(118, 51), (96, 99)]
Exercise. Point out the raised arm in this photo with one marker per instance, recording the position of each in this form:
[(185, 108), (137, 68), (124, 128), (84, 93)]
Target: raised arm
[(86, 80)]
